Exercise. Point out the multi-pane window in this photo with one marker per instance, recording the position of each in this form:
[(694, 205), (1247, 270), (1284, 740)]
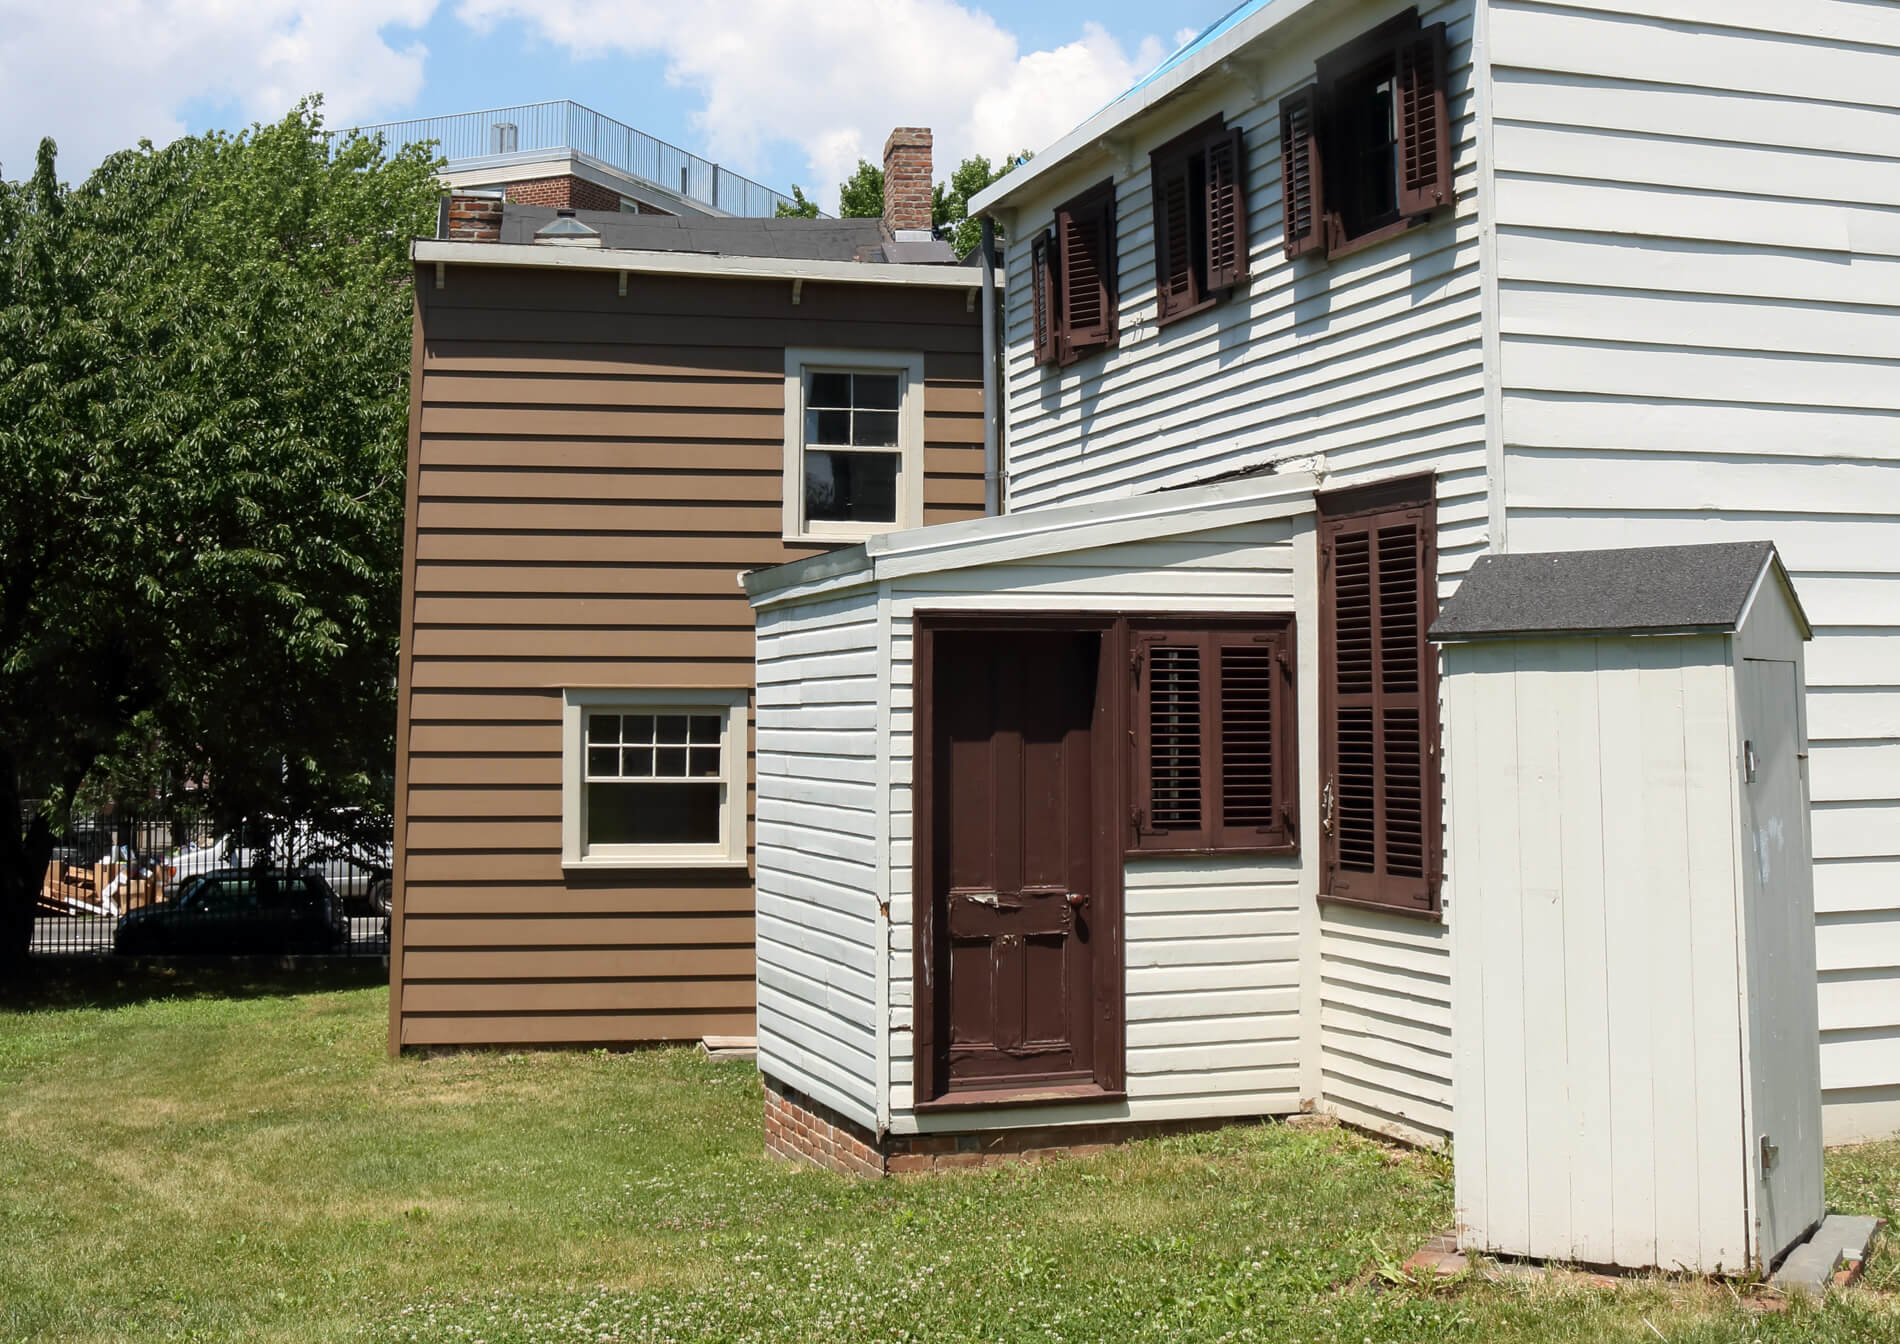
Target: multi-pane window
[(652, 777), (1214, 758), (1365, 150), (853, 458), (853, 462)]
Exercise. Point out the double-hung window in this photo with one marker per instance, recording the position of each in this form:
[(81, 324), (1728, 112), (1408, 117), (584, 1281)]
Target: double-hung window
[(1200, 205), (853, 443), (1215, 764), (653, 778), (1365, 150)]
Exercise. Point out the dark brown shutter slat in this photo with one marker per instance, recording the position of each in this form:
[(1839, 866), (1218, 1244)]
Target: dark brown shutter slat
[(1176, 732), (1226, 210), (1302, 190), (1086, 234), (1379, 595), (1424, 122), (1042, 290), (1176, 287), (1249, 801)]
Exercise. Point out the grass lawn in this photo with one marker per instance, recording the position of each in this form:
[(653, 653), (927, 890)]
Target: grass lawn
[(227, 1159)]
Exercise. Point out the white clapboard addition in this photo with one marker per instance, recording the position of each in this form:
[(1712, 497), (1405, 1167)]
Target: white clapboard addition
[(1367, 366), (1697, 212), (820, 696), (1216, 957), (1637, 1050)]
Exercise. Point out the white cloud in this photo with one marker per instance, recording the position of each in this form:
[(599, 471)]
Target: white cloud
[(834, 78), (99, 74)]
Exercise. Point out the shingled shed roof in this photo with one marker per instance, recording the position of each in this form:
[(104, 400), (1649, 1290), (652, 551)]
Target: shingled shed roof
[(1641, 590)]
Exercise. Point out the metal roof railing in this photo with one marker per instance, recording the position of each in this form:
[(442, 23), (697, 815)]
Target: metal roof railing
[(529, 131)]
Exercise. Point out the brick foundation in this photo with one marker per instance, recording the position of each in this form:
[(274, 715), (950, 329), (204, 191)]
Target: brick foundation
[(803, 1129), (565, 192)]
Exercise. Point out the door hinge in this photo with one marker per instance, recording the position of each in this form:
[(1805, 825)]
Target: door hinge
[(1769, 1152)]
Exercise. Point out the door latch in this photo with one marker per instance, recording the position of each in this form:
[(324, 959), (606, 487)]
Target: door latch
[(1748, 761), (1769, 1152)]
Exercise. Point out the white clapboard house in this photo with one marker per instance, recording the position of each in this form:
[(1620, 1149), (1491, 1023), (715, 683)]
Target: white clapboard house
[(1344, 296)]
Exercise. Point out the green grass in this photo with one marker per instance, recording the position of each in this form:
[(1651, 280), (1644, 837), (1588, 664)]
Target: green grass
[(220, 1158)]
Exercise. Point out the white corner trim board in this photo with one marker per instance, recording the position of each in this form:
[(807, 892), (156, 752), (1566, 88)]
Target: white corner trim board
[(690, 263)]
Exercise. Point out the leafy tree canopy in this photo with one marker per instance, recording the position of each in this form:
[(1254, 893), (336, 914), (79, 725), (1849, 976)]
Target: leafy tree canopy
[(204, 355)]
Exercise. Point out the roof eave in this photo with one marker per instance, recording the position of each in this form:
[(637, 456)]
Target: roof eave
[(1137, 103), (535, 255)]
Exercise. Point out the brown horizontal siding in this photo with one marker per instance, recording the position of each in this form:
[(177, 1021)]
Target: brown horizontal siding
[(520, 1026), (591, 475)]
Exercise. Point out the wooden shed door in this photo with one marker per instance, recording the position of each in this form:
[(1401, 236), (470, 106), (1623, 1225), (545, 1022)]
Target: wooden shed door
[(1014, 833)]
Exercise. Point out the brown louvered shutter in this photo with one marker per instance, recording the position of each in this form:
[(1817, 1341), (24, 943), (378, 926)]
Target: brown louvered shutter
[(1253, 744), (1226, 209), (1177, 286), (1171, 741), (1213, 740), (1302, 189), (1424, 127), (1042, 294), (1085, 232), (1379, 793)]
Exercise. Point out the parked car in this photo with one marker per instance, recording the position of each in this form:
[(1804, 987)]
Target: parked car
[(359, 873), (238, 910)]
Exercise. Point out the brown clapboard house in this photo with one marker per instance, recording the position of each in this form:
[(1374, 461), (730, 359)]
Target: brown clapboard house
[(612, 418)]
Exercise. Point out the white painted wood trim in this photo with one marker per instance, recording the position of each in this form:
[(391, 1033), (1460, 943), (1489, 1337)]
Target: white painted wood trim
[(731, 705), (1489, 305), (801, 360), (691, 263), (881, 883)]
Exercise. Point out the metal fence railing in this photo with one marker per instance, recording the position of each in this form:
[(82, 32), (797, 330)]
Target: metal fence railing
[(140, 886), (530, 130)]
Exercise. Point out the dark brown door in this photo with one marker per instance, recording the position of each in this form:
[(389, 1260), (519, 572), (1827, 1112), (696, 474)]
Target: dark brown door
[(1014, 893)]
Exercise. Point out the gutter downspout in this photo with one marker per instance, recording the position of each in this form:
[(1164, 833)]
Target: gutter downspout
[(992, 433)]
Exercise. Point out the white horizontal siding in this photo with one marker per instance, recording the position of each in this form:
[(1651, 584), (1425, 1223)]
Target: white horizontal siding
[(819, 681), (1212, 952), (1373, 360), (1699, 298)]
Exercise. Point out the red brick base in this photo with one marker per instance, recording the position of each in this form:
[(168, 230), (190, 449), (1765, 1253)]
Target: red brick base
[(802, 1128)]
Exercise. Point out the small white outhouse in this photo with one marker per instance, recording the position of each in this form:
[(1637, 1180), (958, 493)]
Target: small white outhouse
[(1634, 1012)]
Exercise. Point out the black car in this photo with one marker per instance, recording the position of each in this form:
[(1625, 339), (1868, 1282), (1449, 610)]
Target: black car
[(232, 910)]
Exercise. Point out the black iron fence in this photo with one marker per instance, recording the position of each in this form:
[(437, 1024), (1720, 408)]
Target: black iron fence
[(139, 886)]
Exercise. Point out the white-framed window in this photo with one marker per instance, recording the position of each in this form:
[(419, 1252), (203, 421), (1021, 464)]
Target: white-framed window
[(653, 778), (854, 443)]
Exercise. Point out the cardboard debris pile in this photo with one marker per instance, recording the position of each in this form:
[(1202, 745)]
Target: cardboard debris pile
[(108, 888)]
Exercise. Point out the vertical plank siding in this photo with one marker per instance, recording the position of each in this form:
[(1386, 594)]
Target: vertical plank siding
[(1623, 1149), (1213, 954), (593, 473), (1699, 298)]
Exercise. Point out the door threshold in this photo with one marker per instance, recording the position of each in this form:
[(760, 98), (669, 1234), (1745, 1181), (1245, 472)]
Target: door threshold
[(992, 1097)]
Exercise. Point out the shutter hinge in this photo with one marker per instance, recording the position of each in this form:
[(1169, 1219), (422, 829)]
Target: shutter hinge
[(1136, 818)]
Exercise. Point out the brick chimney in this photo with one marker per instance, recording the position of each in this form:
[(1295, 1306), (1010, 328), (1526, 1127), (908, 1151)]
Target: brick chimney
[(473, 217), (907, 184)]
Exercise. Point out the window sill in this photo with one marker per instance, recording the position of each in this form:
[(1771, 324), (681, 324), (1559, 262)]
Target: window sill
[(1208, 852), (1433, 916), (1180, 314), (1376, 236), (609, 865), (841, 538)]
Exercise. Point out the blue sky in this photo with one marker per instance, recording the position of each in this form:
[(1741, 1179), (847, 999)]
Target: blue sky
[(784, 92)]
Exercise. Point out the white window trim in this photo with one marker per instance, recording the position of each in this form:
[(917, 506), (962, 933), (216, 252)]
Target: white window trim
[(730, 852), (910, 437)]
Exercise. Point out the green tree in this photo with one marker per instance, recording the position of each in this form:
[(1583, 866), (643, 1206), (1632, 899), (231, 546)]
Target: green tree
[(799, 207), (204, 355), (950, 201), (861, 196)]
